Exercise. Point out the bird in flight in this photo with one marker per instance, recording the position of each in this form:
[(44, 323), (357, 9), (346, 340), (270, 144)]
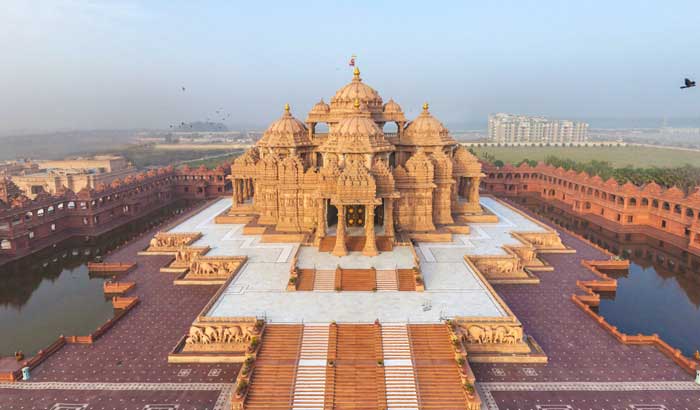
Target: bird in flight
[(688, 83)]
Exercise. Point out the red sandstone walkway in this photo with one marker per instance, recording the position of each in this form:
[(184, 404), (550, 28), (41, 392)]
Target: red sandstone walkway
[(136, 348), (579, 350)]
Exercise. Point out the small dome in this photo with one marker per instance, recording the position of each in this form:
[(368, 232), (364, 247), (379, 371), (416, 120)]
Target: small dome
[(321, 108), (357, 90), (392, 107), (285, 132), (426, 130)]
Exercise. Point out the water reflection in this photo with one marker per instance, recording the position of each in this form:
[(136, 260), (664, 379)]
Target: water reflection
[(660, 293), (51, 293)]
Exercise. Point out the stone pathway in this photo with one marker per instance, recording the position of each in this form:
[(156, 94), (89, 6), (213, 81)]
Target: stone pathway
[(310, 380), (583, 359), (571, 396), (399, 375)]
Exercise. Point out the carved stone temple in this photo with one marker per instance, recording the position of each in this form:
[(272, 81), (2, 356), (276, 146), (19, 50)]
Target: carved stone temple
[(352, 244), (356, 177)]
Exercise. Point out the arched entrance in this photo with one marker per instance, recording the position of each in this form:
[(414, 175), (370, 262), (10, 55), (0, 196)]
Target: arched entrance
[(331, 214), (379, 215)]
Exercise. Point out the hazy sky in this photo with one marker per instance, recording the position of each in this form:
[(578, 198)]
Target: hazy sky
[(121, 64)]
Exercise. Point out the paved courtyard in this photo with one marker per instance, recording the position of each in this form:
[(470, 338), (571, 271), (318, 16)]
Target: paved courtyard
[(452, 288)]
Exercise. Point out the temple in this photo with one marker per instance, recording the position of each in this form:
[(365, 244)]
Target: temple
[(356, 179)]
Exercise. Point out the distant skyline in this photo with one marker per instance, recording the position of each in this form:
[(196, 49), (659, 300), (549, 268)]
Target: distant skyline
[(107, 64)]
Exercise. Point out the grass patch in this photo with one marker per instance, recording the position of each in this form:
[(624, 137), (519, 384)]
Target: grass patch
[(617, 156)]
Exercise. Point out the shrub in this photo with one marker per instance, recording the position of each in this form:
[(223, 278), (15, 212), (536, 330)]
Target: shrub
[(293, 280), (380, 362), (242, 387), (469, 387)]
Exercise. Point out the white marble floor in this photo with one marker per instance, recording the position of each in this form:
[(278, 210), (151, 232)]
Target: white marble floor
[(452, 289)]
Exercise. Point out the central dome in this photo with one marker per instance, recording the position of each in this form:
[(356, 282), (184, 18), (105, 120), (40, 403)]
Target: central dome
[(357, 90)]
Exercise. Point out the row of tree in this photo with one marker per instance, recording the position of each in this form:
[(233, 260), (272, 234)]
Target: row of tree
[(686, 177)]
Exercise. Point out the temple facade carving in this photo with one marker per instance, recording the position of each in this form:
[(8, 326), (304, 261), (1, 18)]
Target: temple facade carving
[(357, 178)]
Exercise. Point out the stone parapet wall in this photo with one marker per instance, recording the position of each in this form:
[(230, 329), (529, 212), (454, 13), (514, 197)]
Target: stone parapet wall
[(28, 225), (666, 211)]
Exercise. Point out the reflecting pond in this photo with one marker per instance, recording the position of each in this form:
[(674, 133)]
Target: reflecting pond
[(660, 293), (51, 293)]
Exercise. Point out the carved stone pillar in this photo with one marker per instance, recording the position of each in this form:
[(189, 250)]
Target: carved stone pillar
[(320, 223), (389, 217), (340, 249), (236, 192), (370, 248), (474, 190)]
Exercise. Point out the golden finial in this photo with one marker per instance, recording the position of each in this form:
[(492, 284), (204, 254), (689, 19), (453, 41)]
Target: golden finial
[(356, 72), (356, 104), (286, 108), (425, 106)]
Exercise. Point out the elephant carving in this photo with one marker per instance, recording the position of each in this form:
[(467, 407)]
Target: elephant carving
[(480, 334), (225, 337)]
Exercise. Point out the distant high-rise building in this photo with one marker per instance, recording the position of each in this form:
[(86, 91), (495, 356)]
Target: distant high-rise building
[(509, 128)]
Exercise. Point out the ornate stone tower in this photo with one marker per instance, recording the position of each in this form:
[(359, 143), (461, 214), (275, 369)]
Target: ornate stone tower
[(355, 180)]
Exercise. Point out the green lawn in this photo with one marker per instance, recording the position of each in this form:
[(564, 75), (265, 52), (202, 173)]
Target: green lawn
[(617, 156), (212, 162)]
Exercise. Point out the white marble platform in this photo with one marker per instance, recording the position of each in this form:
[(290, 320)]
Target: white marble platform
[(452, 289)]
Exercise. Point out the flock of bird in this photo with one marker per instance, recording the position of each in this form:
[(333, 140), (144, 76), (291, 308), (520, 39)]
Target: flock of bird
[(218, 113), (687, 83)]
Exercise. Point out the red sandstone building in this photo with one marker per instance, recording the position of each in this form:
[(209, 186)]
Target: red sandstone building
[(666, 214), (28, 225)]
